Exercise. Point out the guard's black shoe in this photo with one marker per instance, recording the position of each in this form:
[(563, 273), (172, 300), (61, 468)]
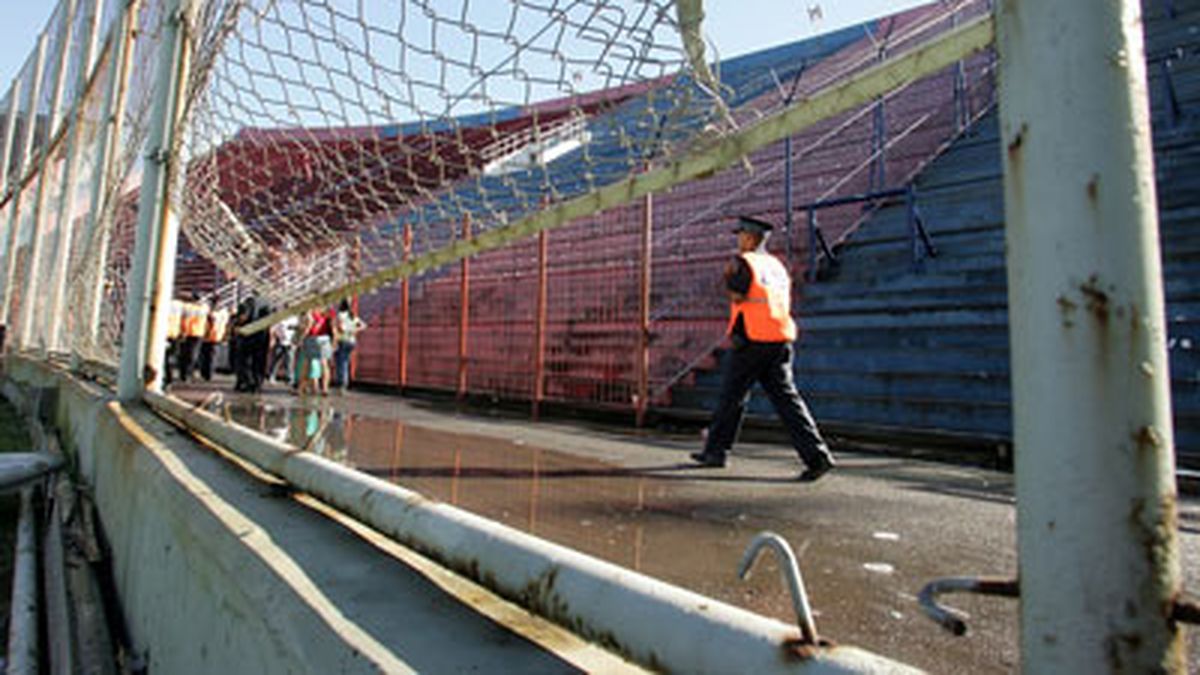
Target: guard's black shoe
[(815, 471), (707, 460)]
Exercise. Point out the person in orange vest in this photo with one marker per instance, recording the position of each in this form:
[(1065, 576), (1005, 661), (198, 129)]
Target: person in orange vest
[(215, 325), (762, 332), (191, 333), (174, 319)]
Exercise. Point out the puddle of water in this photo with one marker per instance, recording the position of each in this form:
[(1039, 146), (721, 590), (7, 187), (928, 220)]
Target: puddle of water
[(659, 521)]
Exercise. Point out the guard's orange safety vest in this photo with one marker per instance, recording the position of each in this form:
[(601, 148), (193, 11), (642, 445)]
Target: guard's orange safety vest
[(767, 309), (194, 315), (174, 319), (214, 330)]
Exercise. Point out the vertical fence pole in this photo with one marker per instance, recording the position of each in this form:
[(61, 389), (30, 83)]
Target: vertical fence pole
[(9, 195), (404, 297), (157, 226), (163, 281), (788, 220), (14, 215), (961, 114), (10, 134), (357, 267), (811, 272), (37, 242), (464, 311), (539, 339), (642, 400), (910, 211), (1096, 511), (66, 197), (106, 164)]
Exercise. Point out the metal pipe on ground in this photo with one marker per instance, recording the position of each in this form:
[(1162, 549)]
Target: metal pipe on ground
[(23, 622), (648, 621)]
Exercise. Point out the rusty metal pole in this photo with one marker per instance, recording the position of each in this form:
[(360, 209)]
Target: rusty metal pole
[(642, 402), (404, 296), (539, 338), (1096, 511), (464, 311)]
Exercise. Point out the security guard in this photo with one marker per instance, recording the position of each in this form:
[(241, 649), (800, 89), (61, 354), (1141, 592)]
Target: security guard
[(192, 324), (215, 326), (762, 332), (174, 326)]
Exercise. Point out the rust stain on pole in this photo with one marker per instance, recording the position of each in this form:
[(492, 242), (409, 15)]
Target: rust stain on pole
[(643, 363)]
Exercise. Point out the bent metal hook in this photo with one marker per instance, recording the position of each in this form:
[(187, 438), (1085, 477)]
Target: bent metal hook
[(791, 572)]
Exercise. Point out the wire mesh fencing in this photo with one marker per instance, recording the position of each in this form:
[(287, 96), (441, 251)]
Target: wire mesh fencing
[(331, 148)]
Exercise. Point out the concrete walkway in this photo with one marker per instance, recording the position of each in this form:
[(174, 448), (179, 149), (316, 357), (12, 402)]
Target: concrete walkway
[(868, 536)]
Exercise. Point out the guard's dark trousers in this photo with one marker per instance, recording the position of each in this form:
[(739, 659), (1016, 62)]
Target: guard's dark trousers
[(769, 364)]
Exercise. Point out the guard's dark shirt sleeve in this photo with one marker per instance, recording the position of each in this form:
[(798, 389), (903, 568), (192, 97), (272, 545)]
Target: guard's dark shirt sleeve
[(738, 280)]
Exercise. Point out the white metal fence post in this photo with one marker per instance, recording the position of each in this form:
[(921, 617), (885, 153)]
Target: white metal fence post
[(10, 133), (156, 224), (1091, 397), (66, 196), (6, 159), (14, 212), (31, 289), (106, 161)]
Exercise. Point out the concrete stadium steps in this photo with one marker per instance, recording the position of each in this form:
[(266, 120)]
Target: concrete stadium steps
[(986, 419), (930, 336)]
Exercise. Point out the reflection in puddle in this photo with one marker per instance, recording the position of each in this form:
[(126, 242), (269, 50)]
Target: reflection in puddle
[(631, 517)]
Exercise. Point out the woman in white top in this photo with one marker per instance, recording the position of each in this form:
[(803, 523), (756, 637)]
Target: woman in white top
[(349, 325)]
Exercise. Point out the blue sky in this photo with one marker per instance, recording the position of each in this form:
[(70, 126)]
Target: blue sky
[(23, 20), (734, 26)]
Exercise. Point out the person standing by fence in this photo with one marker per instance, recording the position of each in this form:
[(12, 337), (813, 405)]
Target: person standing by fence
[(192, 323), (283, 347), (349, 325), (217, 323), (762, 332)]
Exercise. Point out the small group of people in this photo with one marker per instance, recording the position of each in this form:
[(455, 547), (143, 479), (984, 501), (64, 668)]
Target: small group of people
[(315, 350), (194, 329)]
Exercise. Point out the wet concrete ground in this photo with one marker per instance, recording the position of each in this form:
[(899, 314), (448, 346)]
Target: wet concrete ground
[(868, 536)]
